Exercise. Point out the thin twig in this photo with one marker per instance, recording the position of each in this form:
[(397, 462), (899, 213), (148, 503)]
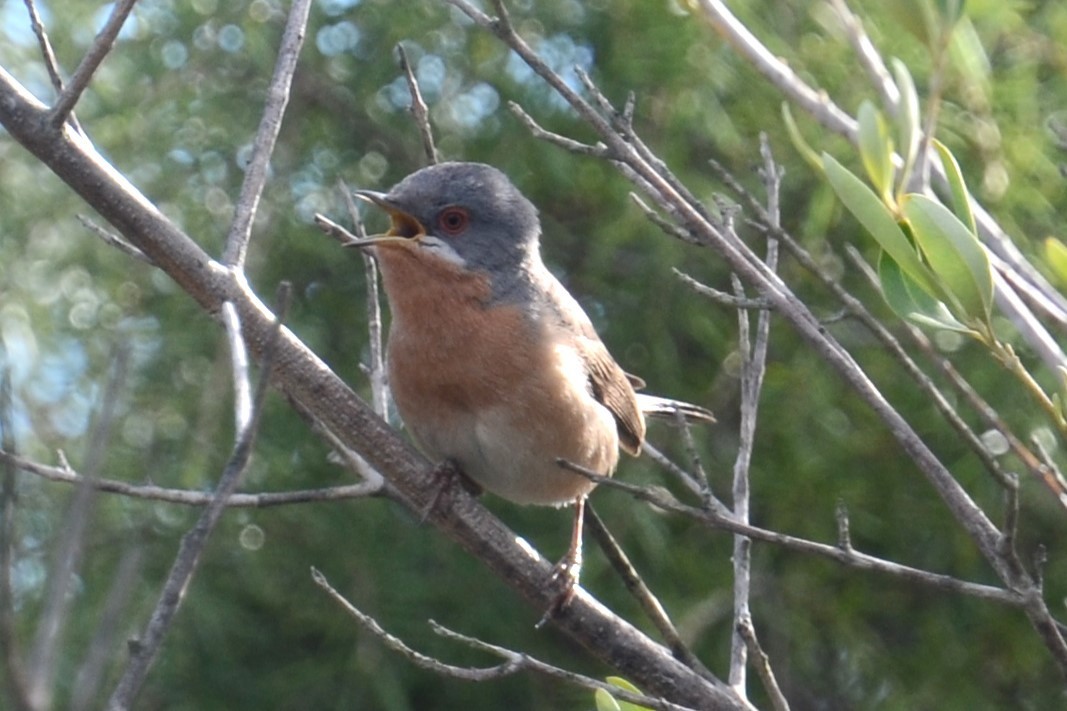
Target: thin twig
[(189, 497), (689, 480), (568, 144), (722, 298), (242, 383), (763, 665), (753, 350), (332, 229), (418, 108), (379, 381), (70, 549), (269, 125), (113, 240), (641, 592), (540, 667), (514, 662), (871, 61), (661, 498), (49, 56), (14, 672), (103, 43), (192, 545), (111, 623)]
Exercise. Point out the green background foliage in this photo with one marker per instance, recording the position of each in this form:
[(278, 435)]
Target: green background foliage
[(174, 108)]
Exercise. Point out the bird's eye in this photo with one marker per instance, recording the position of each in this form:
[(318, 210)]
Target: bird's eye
[(453, 220)]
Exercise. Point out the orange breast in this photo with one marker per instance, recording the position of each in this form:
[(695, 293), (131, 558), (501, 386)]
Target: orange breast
[(488, 386)]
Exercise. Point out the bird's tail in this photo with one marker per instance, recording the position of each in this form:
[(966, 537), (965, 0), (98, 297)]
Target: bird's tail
[(665, 408)]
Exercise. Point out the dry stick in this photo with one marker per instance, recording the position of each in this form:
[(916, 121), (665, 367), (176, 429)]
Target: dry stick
[(308, 381), (145, 649), (659, 497), (691, 482), (103, 43), (14, 673), (418, 108), (514, 662), (70, 549), (753, 369), (269, 125), (641, 592), (870, 60), (763, 665), (112, 617), (49, 56), (379, 381), (113, 240), (188, 497), (242, 384)]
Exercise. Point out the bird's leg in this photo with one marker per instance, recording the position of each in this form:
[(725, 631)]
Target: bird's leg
[(443, 476), (569, 568)]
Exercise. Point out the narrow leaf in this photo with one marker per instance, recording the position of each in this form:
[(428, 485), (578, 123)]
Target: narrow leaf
[(876, 148), (879, 222), (803, 148), (954, 255), (961, 197), (605, 701), (1056, 258), (909, 121), (910, 302)]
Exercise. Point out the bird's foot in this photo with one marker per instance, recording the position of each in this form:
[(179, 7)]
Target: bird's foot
[(564, 579), (443, 476)]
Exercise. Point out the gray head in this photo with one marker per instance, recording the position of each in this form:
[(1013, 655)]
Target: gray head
[(469, 214)]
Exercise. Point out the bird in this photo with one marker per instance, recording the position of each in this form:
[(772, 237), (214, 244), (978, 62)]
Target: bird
[(493, 365)]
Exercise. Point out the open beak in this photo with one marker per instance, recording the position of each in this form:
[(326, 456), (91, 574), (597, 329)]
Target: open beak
[(404, 229)]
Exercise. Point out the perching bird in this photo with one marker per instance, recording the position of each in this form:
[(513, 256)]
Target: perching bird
[(493, 365)]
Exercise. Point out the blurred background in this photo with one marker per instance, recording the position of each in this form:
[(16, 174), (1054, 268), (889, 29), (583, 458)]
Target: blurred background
[(174, 108)]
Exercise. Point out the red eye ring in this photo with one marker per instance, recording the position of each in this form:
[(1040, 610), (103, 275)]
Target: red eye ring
[(453, 220)]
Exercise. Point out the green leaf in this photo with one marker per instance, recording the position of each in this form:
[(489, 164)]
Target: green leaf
[(876, 148), (953, 253), (910, 302), (961, 200), (605, 701), (1056, 258), (909, 121), (803, 148), (879, 222), (625, 686)]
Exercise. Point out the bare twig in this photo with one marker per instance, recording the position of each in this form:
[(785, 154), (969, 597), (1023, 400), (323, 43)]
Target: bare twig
[(113, 240), (568, 144), (242, 384), (659, 497), (269, 125), (102, 646), (379, 381), (188, 497), (192, 545), (513, 663), (103, 43), (48, 639), (556, 673), (870, 59), (418, 107), (47, 53), (763, 665), (753, 350), (641, 592), (14, 674), (690, 481), (722, 298), (338, 232)]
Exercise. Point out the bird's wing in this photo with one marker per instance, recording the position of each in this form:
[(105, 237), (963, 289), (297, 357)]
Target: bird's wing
[(610, 385)]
